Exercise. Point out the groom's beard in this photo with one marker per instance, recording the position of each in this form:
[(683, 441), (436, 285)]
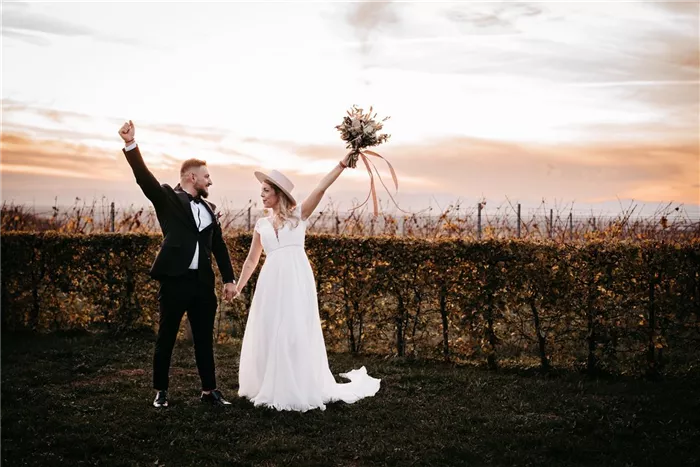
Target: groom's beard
[(201, 192)]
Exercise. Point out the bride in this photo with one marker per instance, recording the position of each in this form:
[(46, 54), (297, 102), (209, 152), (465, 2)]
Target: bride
[(283, 357)]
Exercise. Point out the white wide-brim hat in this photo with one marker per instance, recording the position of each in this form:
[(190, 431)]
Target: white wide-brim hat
[(279, 180)]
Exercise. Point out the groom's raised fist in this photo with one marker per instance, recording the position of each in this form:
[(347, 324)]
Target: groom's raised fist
[(127, 131)]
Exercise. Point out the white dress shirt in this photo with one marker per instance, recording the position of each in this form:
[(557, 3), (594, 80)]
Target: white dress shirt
[(202, 218)]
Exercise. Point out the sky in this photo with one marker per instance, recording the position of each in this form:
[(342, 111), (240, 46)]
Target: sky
[(590, 104)]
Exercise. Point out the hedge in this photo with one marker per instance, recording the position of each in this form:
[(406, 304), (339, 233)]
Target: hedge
[(602, 305)]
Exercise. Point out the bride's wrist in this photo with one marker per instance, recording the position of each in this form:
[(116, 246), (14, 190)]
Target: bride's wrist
[(342, 165)]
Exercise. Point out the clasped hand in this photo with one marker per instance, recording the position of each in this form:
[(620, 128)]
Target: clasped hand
[(231, 291)]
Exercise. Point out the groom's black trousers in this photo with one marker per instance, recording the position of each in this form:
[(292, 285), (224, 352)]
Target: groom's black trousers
[(176, 296)]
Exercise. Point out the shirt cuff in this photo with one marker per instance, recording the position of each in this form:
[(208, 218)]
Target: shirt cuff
[(130, 147)]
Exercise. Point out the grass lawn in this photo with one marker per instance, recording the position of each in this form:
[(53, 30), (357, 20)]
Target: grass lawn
[(86, 400)]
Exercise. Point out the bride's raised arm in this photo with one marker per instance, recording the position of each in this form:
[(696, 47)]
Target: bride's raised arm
[(308, 206)]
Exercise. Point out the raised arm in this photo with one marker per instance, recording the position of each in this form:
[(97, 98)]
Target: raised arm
[(311, 202), (251, 262), (145, 179)]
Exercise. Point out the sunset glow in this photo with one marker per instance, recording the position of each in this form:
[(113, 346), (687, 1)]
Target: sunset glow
[(577, 101)]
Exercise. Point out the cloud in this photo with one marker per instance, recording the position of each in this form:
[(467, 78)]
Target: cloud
[(628, 68), (582, 172), (620, 79), (19, 110), (22, 23), (683, 9), (480, 18), (214, 135), (21, 153), (456, 166), (22, 20), (369, 18), (40, 170), (29, 38), (43, 133), (448, 169), (557, 43), (461, 167)]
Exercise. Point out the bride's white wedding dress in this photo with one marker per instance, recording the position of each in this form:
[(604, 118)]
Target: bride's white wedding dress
[(283, 358)]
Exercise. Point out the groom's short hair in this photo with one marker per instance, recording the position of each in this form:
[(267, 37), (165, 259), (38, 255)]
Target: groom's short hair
[(191, 164)]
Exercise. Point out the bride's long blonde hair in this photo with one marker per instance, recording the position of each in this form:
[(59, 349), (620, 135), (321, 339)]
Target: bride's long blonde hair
[(286, 207)]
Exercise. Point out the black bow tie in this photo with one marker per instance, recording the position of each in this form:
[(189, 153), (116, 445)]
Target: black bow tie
[(197, 199)]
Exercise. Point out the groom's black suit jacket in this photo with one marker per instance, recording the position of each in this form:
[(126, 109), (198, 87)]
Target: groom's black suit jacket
[(180, 230)]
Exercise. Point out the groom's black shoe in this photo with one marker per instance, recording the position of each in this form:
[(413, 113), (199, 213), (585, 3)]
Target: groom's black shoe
[(214, 398), (161, 399)]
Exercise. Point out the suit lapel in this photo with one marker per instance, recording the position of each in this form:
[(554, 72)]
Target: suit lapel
[(211, 208), (185, 202)]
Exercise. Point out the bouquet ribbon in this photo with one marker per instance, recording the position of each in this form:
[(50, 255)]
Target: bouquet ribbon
[(372, 187)]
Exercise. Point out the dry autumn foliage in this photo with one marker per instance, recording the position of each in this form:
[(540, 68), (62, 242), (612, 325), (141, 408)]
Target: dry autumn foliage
[(605, 305)]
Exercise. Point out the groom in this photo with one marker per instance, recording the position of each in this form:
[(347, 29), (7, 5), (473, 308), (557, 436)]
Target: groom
[(183, 266)]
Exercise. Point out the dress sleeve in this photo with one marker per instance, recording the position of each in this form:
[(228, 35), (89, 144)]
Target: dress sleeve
[(297, 212)]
